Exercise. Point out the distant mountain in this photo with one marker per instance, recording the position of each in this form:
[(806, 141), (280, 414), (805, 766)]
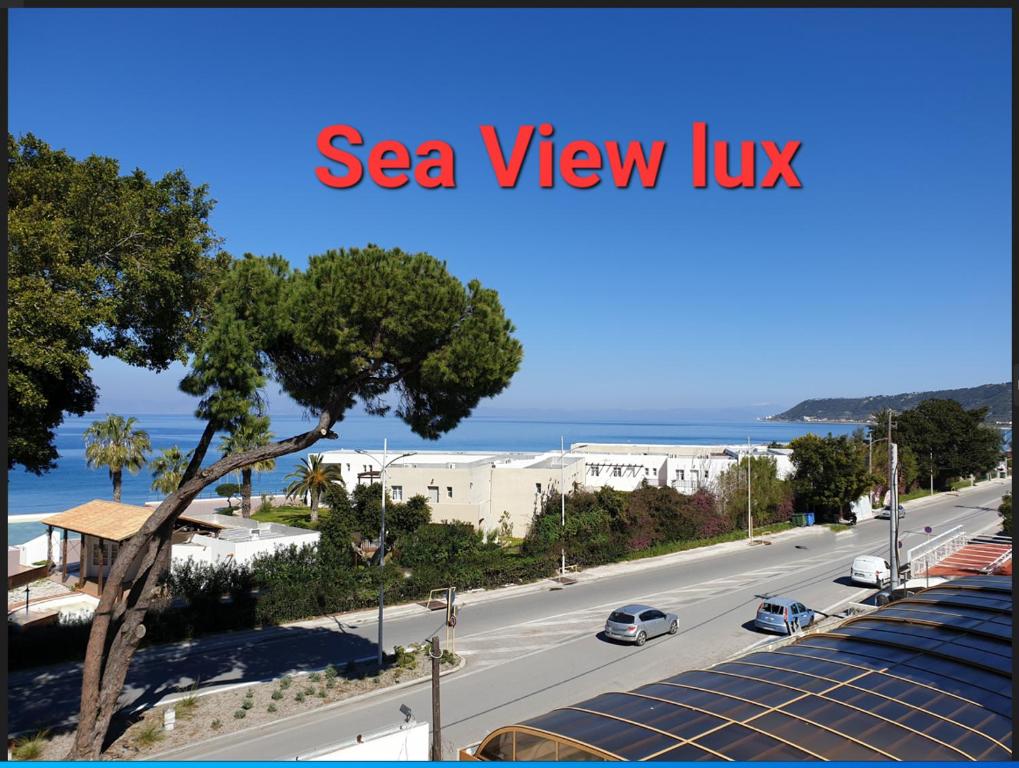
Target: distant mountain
[(996, 397)]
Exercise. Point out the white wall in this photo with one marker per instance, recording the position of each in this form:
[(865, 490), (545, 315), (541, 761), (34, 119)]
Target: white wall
[(34, 550), (207, 549), (623, 471)]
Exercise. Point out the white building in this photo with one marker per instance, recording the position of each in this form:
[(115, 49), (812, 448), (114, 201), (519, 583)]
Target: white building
[(477, 487), (483, 488), (220, 538), (622, 471), (683, 467)]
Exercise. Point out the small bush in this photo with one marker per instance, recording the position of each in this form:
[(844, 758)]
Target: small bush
[(277, 694), (331, 683), (299, 696), (448, 658), (149, 734), (271, 708), (250, 694), (309, 689), (216, 724), (330, 672), (30, 747), (247, 704), (314, 677), (185, 708), (321, 693), (404, 659), (285, 682), (240, 714)]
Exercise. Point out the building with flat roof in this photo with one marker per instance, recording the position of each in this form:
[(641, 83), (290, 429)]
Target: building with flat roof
[(686, 468), (482, 488)]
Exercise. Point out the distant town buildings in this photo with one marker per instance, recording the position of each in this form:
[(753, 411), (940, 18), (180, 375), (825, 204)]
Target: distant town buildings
[(488, 488)]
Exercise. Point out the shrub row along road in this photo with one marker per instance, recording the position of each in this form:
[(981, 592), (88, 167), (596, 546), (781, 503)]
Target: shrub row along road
[(525, 654)]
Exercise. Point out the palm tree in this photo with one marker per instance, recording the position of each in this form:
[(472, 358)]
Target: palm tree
[(168, 469), (312, 477), (252, 433), (115, 443)]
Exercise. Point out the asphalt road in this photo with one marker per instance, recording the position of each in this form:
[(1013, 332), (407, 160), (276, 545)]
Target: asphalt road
[(525, 654), (530, 654)]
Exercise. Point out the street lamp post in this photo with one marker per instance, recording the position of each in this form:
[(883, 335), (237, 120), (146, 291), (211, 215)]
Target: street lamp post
[(384, 464), (562, 499), (750, 516)]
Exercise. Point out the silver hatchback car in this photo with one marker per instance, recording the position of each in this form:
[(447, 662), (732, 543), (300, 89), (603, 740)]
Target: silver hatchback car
[(638, 623)]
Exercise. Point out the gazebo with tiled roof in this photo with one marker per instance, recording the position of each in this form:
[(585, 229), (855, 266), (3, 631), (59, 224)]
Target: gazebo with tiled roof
[(103, 526)]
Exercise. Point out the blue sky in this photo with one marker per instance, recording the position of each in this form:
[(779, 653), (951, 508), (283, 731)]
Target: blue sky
[(889, 271)]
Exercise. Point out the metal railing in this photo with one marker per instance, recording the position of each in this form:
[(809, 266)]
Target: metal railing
[(933, 551), (1001, 559)]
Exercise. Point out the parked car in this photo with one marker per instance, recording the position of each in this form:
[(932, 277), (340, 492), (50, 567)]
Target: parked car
[(638, 623), (872, 570), (783, 615), (886, 513)]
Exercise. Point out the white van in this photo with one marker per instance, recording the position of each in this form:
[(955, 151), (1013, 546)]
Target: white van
[(871, 569)]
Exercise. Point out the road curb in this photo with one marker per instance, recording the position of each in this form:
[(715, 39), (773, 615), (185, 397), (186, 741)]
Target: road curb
[(167, 755)]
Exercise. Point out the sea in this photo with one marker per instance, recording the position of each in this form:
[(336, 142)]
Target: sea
[(73, 483)]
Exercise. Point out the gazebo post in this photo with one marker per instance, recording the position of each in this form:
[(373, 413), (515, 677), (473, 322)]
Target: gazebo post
[(64, 561), (49, 549), (100, 545)]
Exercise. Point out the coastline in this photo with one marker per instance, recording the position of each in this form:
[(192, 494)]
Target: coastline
[(31, 517)]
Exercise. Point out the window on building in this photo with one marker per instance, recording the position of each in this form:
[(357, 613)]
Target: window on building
[(680, 474), (647, 471), (433, 494), (396, 492), (595, 471), (449, 491), (537, 487), (617, 471), (705, 474)]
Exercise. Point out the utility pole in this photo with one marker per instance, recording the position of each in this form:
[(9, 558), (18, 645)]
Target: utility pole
[(382, 547), (436, 715), (932, 473), (562, 499), (893, 518)]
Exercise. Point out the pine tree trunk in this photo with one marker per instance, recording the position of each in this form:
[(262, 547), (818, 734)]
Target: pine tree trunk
[(118, 477), (246, 492), (117, 622)]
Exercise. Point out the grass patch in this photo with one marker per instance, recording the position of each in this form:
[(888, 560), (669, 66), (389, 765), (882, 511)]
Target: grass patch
[(185, 708), (681, 546), (297, 516), (29, 747), (149, 734), (837, 527), (919, 493), (963, 483)]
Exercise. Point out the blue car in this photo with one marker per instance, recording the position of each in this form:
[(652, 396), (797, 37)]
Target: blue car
[(783, 615)]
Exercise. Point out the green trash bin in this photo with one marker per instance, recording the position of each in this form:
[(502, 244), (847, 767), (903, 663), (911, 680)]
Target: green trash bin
[(799, 519)]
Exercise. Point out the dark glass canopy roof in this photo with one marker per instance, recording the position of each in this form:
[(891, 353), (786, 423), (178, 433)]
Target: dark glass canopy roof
[(928, 677)]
